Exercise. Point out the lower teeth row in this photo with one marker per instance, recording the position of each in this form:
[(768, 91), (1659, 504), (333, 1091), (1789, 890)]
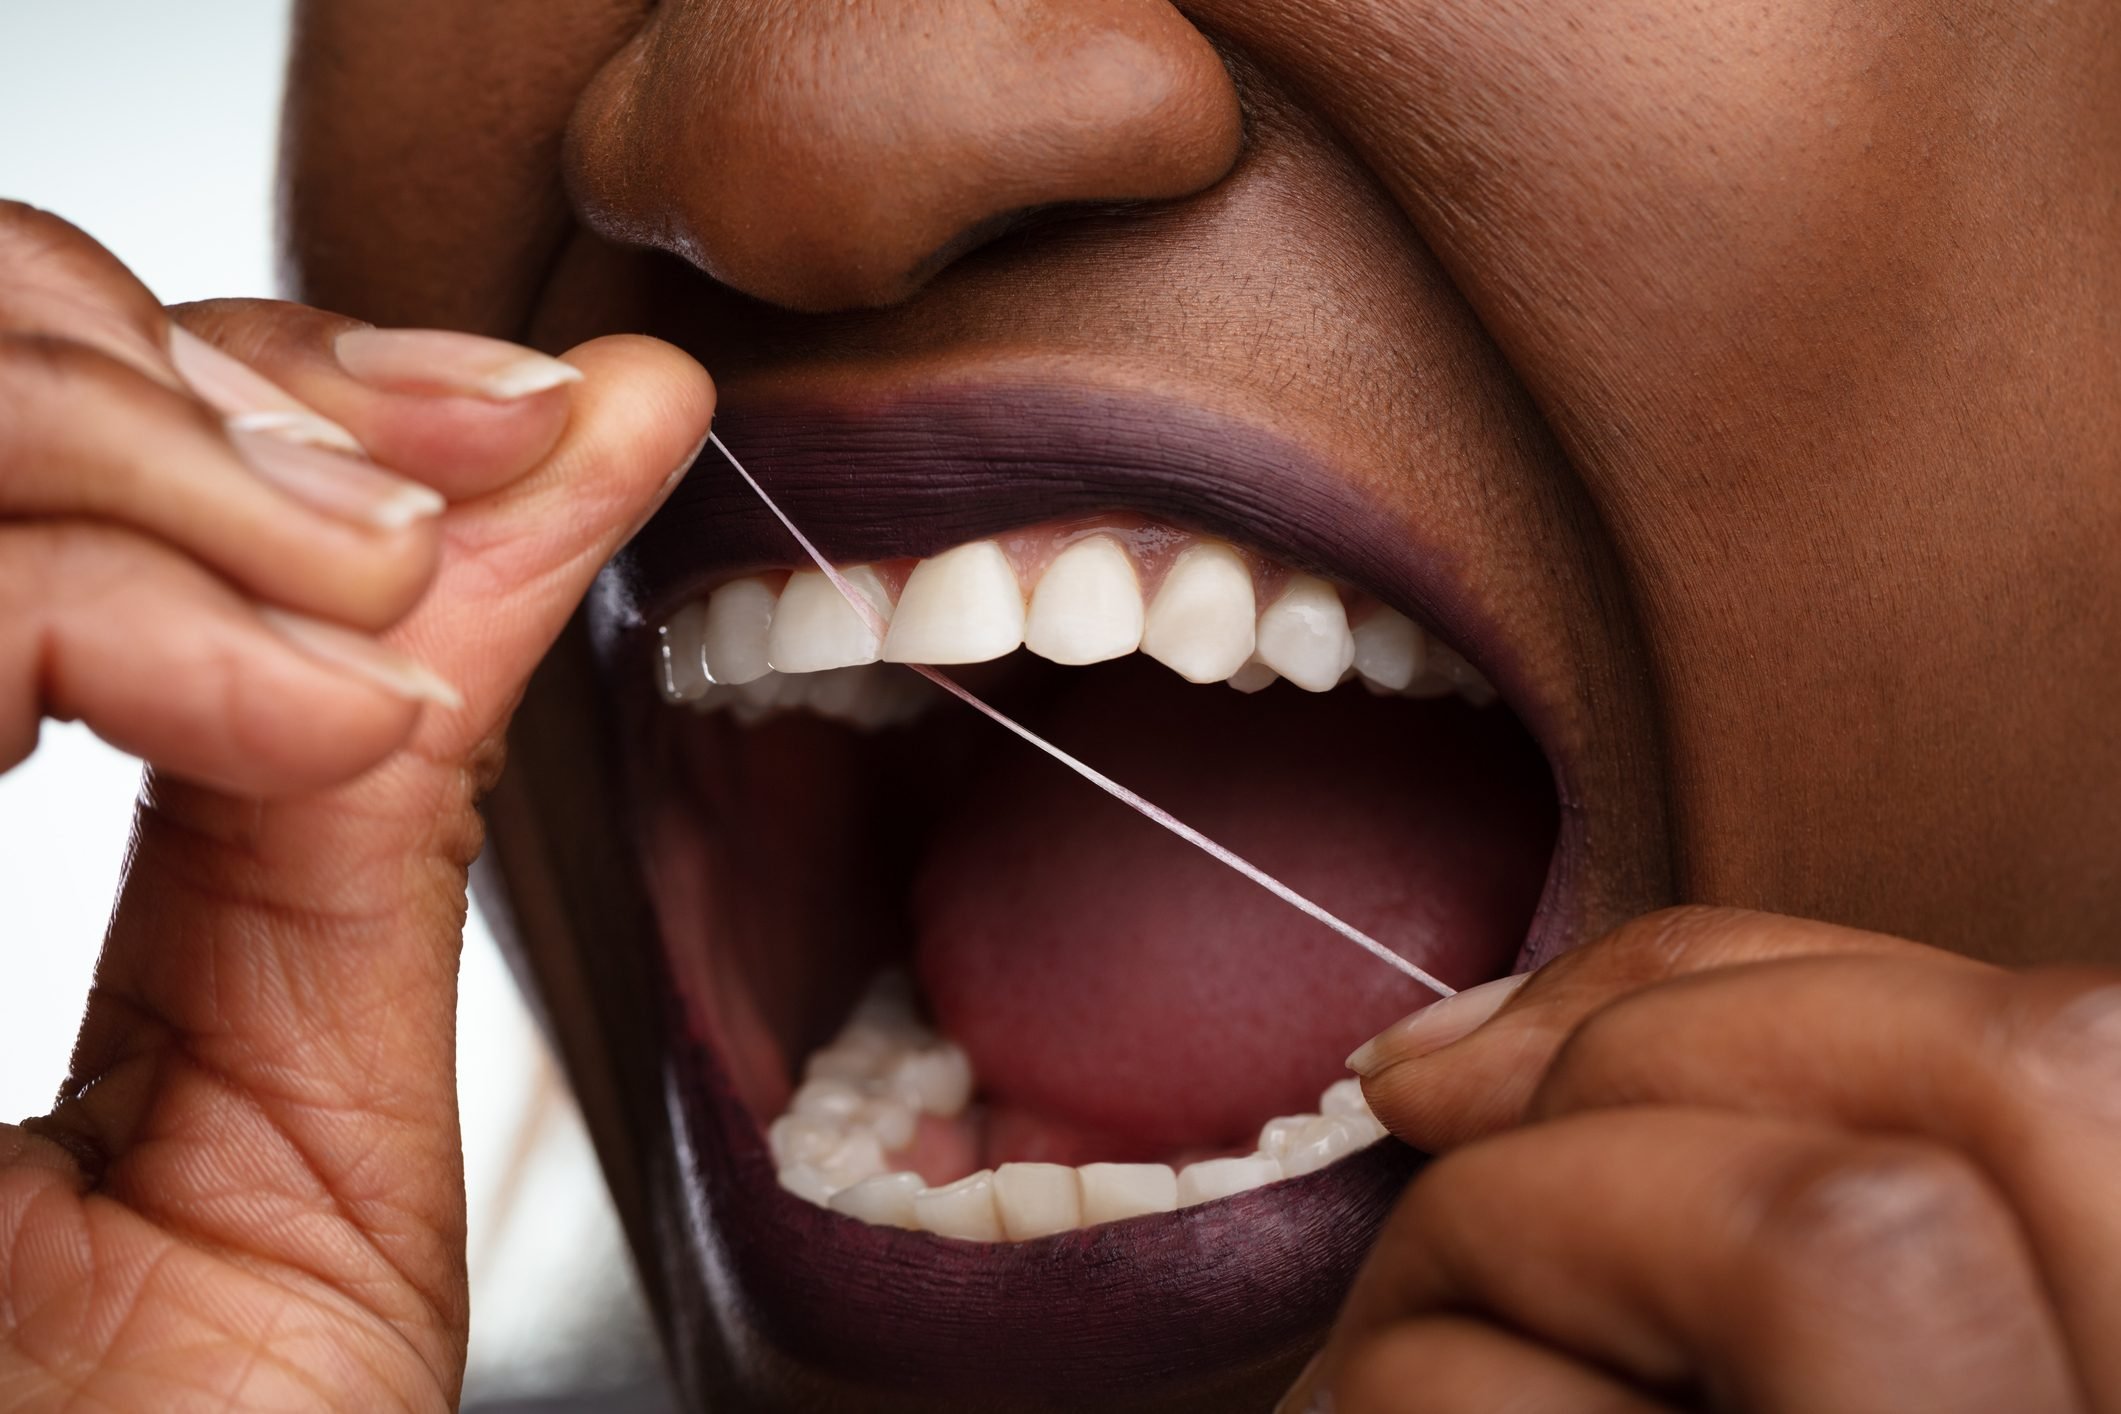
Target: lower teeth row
[(861, 1101)]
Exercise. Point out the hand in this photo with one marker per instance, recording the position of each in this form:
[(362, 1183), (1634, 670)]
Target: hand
[(1736, 1161), (250, 1192)]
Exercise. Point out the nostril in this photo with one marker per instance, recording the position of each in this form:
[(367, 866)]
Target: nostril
[(842, 156)]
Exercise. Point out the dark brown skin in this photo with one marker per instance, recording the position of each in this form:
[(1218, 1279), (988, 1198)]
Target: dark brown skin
[(1761, 365)]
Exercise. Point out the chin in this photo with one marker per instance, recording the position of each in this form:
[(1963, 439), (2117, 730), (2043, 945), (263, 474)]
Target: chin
[(929, 1077)]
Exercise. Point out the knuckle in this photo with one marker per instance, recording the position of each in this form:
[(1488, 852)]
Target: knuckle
[(1895, 1217)]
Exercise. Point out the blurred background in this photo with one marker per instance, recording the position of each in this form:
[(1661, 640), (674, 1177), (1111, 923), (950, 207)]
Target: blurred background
[(152, 127)]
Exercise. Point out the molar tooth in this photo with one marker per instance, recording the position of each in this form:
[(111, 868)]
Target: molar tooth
[(806, 1183), (739, 620), (962, 606), (891, 1122), (1388, 649), (936, 1080), (681, 662), (1088, 605), (857, 1156), (1304, 635), (1115, 1191), (1321, 1141), (1201, 625), (827, 1100), (1219, 1178), (802, 1139), (962, 1209), (815, 629), (1462, 676), (1037, 1200), (886, 1200), (1253, 676)]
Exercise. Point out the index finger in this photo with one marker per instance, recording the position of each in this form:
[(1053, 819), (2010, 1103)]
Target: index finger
[(1466, 1067)]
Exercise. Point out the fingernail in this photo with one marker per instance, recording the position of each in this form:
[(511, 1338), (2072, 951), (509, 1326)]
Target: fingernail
[(1435, 1026), (444, 361), (248, 399), (364, 658), (337, 485)]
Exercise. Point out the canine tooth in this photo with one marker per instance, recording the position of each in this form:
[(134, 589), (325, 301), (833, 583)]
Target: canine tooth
[(803, 1139), (1321, 1141), (1115, 1191), (1219, 1178), (806, 1183), (886, 1200), (962, 1209), (1201, 625), (1088, 605), (962, 606), (828, 1100), (739, 619), (815, 629), (1389, 649), (1304, 635), (681, 662), (936, 1080), (1253, 676), (1037, 1200), (1275, 1135), (858, 1155)]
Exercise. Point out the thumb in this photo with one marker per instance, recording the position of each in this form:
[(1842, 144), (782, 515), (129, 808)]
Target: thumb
[(274, 1009)]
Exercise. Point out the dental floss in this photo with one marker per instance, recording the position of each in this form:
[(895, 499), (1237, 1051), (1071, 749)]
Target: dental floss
[(1148, 809)]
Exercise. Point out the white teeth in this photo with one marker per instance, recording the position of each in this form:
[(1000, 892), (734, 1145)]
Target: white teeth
[(962, 606), (863, 1096), (806, 1183), (1115, 1191), (1304, 635), (1037, 1200), (1088, 605), (1219, 1178), (1253, 676), (1321, 1140), (801, 1139), (815, 629), (1461, 675), (739, 619), (681, 659), (1388, 649), (886, 1200), (937, 1080), (1344, 1097), (962, 1209), (1201, 625)]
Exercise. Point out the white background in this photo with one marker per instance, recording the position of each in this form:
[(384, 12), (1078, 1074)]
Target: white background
[(152, 126)]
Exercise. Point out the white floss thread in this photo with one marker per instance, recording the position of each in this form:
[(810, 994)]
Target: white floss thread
[(1148, 809)]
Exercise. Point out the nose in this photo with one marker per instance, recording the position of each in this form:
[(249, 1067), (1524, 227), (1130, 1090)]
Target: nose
[(831, 154)]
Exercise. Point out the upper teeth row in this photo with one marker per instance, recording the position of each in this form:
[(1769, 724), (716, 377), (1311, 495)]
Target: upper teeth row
[(968, 605), (862, 1097)]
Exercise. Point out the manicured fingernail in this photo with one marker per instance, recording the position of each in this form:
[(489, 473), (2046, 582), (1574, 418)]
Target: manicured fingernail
[(1435, 1026), (338, 485), (248, 399), (364, 658), (444, 361)]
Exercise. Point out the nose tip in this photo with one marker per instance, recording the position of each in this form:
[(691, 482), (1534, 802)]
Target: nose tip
[(828, 156)]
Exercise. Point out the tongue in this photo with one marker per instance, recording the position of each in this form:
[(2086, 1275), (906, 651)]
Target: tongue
[(1111, 979)]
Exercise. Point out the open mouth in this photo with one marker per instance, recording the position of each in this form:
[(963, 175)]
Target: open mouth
[(973, 1053)]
